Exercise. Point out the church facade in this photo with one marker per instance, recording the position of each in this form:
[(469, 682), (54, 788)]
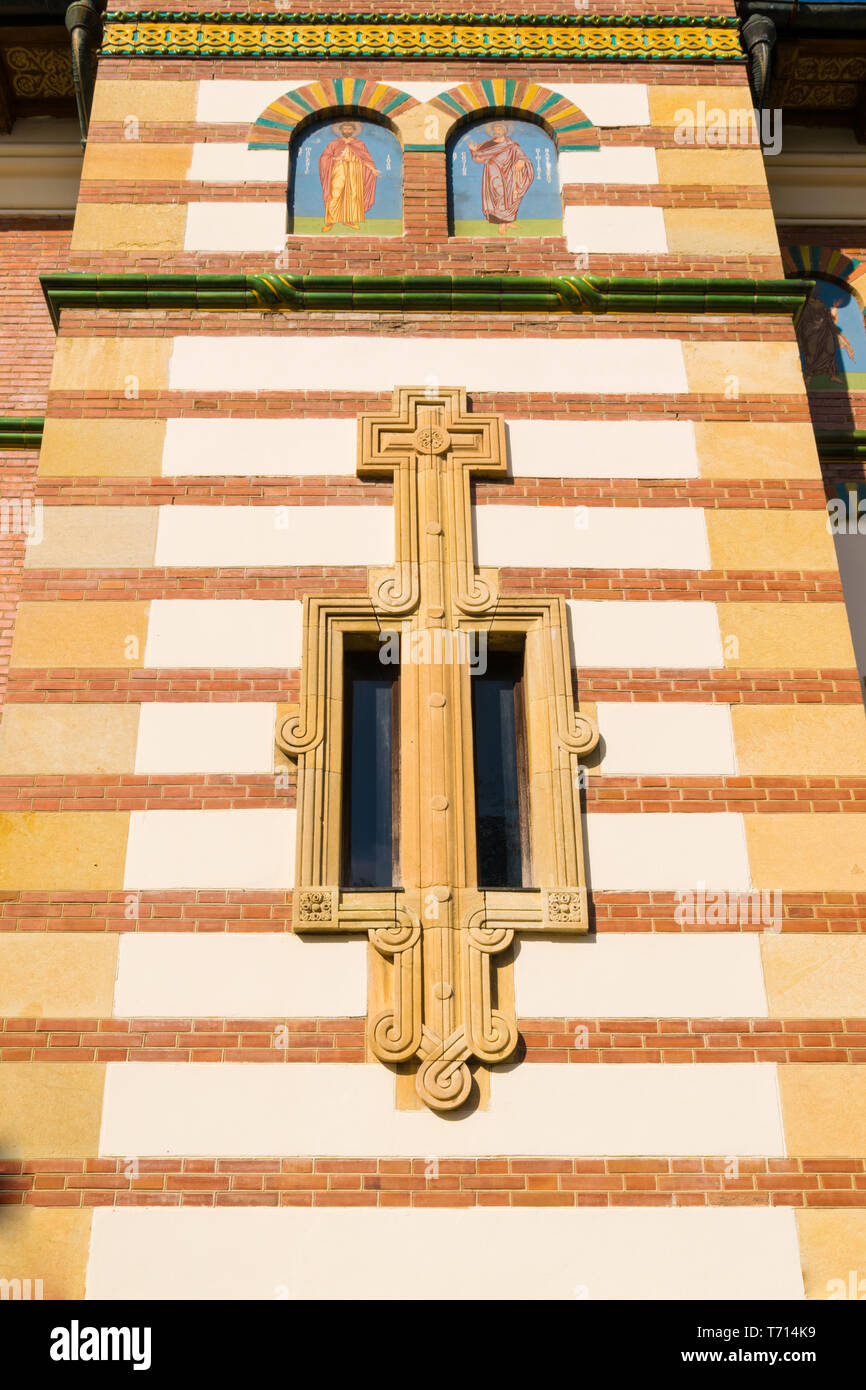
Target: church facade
[(433, 755)]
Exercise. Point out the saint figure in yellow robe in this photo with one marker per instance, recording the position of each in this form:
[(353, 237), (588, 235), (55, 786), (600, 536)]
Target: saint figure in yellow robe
[(348, 176)]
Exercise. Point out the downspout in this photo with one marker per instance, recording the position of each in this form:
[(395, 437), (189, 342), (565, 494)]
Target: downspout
[(758, 36), (84, 22)]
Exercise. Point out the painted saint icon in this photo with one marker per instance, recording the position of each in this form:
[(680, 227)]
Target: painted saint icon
[(507, 175), (831, 338), (347, 179), (348, 174), (506, 182)]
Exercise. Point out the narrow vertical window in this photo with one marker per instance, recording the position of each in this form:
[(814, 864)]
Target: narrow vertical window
[(370, 763), (501, 775)]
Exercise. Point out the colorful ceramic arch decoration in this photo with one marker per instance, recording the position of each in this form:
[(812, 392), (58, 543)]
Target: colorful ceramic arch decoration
[(274, 128), (831, 331), (566, 122)]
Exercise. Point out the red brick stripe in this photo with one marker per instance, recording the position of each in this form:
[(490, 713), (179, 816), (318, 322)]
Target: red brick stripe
[(585, 1041), (273, 581), (257, 910), (609, 795), (344, 489), (431, 1182)]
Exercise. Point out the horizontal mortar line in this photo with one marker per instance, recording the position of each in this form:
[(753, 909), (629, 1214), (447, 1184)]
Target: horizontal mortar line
[(152, 131), (342, 489), (821, 586), (655, 781), (95, 406), (113, 188)]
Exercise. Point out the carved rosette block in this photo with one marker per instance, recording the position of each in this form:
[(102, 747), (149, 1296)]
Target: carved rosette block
[(567, 908)]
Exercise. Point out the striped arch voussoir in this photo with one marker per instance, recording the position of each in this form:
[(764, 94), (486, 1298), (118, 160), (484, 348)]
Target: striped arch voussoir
[(807, 262), (567, 123), (274, 128)]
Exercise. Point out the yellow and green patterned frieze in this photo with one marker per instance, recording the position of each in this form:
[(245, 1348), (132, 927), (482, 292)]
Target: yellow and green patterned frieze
[(621, 38)]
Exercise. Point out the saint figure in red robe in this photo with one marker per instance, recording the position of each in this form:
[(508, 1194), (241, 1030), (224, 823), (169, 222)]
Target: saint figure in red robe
[(508, 173), (348, 176)]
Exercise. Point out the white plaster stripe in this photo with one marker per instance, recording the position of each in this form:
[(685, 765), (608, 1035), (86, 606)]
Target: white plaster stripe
[(233, 162), (240, 975), (668, 739), (639, 975), (235, 536), (244, 448), (317, 446), (608, 103), (619, 164), (229, 100), (591, 537), (642, 633), (601, 448), (669, 851), (202, 737), (296, 1253), (220, 633), (235, 226), (244, 849), (615, 230), (297, 363), (254, 1109)]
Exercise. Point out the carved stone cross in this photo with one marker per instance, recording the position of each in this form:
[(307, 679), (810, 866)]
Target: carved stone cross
[(441, 989)]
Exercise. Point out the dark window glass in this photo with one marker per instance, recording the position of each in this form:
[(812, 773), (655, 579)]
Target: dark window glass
[(501, 788), (370, 762)]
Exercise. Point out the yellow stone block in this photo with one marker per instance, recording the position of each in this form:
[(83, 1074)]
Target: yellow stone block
[(782, 636), (744, 368), (134, 160), (57, 974), (129, 227), (754, 450), (713, 167), (80, 633), (102, 448), (667, 104), (111, 364), (833, 1253), (721, 231), (823, 1109), (59, 850), (47, 1243), (808, 739), (72, 738), (808, 853), (424, 125), (51, 1109), (144, 101), (94, 538), (814, 976), (756, 539)]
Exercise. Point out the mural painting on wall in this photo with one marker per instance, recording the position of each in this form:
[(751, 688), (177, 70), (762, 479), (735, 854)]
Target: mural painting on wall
[(348, 181), (504, 181), (831, 332)]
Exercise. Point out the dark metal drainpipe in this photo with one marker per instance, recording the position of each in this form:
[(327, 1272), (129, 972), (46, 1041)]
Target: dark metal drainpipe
[(84, 22)]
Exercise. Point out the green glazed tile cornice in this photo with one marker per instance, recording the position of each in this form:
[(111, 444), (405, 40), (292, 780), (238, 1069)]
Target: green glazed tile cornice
[(621, 38), (505, 294), (841, 446), (21, 431)]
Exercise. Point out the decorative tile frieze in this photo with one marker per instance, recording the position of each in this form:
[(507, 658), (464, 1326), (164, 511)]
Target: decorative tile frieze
[(621, 38)]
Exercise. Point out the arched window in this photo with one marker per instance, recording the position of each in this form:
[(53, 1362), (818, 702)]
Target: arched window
[(503, 180), (346, 179)]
